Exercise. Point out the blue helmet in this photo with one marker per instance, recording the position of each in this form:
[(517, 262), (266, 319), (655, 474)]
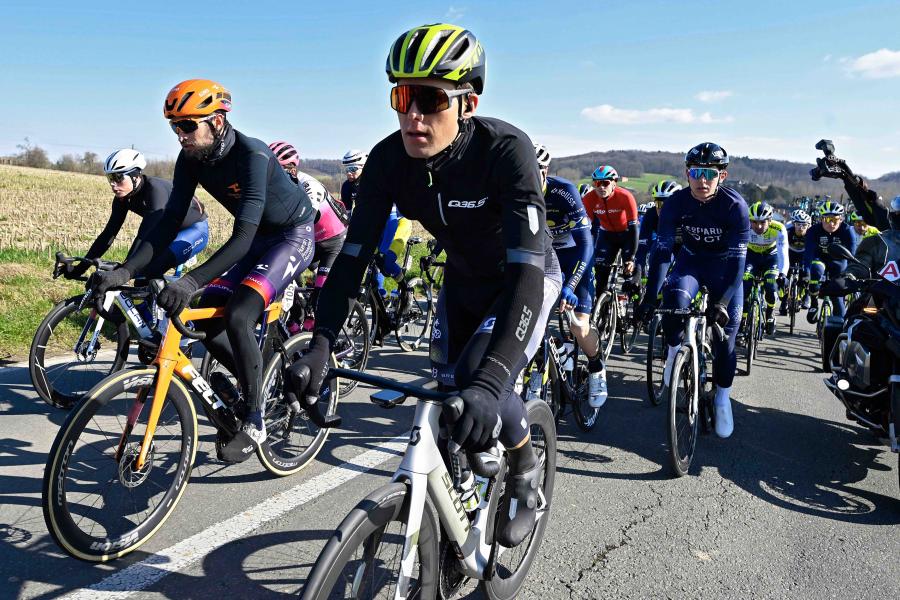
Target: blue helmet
[(604, 172)]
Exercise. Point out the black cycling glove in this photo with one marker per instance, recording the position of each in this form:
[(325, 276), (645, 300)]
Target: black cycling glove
[(479, 424), (718, 313), (103, 281), (176, 295)]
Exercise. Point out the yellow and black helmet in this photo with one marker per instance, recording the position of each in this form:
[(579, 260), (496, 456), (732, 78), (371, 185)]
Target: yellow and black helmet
[(440, 51)]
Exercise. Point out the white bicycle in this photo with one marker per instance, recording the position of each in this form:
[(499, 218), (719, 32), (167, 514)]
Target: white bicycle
[(417, 537)]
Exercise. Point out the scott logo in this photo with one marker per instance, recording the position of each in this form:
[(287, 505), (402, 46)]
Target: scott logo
[(466, 203)]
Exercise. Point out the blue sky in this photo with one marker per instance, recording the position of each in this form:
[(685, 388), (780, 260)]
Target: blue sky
[(764, 79)]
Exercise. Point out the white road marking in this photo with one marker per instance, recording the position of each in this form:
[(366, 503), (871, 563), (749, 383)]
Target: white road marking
[(142, 575)]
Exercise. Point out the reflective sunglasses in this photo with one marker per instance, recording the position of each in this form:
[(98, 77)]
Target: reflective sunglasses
[(189, 125), (353, 169), (703, 172), (428, 99), (115, 177), (831, 220), (603, 183)]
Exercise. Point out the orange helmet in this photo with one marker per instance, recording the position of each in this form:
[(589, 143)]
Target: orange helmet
[(196, 97)]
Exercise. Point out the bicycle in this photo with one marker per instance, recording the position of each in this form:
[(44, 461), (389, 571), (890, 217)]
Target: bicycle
[(692, 390), (755, 325), (606, 312), (557, 376), (796, 289), (75, 327), (407, 310), (656, 360), (390, 545), (118, 467), (351, 348)]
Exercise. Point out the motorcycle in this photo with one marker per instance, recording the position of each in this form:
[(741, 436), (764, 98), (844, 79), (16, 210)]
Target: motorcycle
[(865, 356)]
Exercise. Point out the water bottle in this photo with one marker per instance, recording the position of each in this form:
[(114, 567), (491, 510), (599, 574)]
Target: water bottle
[(468, 492)]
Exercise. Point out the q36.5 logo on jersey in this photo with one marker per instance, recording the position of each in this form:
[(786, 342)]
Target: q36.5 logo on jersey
[(467, 203)]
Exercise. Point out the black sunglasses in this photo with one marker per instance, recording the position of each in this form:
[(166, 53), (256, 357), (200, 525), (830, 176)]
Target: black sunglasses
[(188, 125)]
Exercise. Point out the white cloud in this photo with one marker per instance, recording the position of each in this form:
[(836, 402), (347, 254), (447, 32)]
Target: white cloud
[(880, 64), (608, 114), (454, 14), (713, 96)]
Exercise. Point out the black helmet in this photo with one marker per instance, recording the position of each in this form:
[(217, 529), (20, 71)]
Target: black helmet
[(706, 154), (441, 51)]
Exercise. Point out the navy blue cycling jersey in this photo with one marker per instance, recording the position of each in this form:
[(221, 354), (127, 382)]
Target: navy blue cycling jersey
[(796, 243), (716, 231), (569, 224), (818, 240), (647, 235)]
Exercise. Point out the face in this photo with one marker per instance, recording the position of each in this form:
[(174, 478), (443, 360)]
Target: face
[(122, 188), (605, 187), (198, 142), (425, 136), (353, 173), (760, 226), (704, 188), (801, 228), (860, 227), (831, 223)]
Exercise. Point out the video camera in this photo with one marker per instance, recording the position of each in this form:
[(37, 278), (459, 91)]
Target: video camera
[(830, 165)]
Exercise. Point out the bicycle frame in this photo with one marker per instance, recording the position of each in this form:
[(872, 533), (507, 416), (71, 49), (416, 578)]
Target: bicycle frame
[(426, 474), (172, 362), (96, 320)]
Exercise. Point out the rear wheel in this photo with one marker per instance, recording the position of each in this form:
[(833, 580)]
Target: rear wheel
[(416, 315), (656, 360), (293, 439), (750, 337), (97, 505), (352, 346), (792, 304), (63, 367), (683, 418), (629, 328)]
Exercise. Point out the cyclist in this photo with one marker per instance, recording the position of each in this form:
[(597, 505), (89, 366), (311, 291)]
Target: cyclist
[(330, 223), (861, 229), (145, 196), (571, 231), (649, 226), (613, 212), (874, 254), (353, 163), (796, 239), (816, 260), (715, 230), (271, 242), (583, 189), (473, 183), (767, 254)]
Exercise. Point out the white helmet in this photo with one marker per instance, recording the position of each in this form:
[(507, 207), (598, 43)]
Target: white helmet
[(124, 161), (542, 155), (354, 158)]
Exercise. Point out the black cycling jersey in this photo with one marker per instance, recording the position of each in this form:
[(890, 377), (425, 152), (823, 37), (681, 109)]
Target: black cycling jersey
[(149, 202), (349, 191), (481, 199), (248, 181)]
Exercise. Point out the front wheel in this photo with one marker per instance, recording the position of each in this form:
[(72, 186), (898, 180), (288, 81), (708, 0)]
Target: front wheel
[(683, 418), (750, 336), (656, 360), (415, 316), (65, 361), (604, 320), (98, 505), (362, 558), (824, 351)]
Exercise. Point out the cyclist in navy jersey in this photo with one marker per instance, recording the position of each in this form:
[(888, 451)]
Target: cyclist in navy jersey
[(474, 184), (145, 196), (797, 230), (574, 246), (715, 230), (353, 163), (271, 242), (829, 230)]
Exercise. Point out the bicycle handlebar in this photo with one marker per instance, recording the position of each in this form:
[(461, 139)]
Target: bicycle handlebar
[(64, 264), (156, 286)]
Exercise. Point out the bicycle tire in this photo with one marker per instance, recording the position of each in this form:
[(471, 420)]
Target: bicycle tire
[(792, 306), (102, 542), (656, 360), (417, 317), (630, 330), (603, 319), (683, 420), (283, 454), (48, 380), (508, 580), (586, 416), (355, 332), (366, 524), (750, 337), (826, 311)]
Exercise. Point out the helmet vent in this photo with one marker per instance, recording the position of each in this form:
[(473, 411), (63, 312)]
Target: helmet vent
[(412, 50), (184, 100)]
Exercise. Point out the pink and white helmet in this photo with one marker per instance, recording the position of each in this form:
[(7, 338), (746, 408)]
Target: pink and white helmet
[(286, 154)]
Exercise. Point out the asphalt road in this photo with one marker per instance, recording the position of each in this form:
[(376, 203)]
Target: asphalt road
[(798, 503)]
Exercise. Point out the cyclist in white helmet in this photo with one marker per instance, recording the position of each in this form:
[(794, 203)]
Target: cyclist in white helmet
[(353, 163)]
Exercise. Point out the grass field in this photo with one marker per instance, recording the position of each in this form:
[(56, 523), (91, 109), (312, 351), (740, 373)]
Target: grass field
[(44, 211)]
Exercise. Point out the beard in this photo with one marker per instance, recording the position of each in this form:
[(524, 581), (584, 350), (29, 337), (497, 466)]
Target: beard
[(197, 151)]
